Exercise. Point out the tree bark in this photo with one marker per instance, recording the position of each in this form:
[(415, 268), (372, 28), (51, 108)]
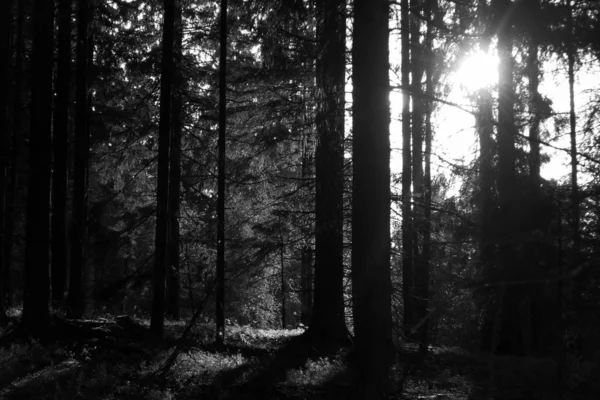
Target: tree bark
[(419, 310), (329, 324), (5, 77), (161, 261), (535, 99), (173, 272), (507, 312), (60, 147), (485, 131), (282, 278), (306, 277), (37, 249), (429, 60), (407, 219), (76, 298), (575, 212), (18, 128), (220, 317), (371, 284)]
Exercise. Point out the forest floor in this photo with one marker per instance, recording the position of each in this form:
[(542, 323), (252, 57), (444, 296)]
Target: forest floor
[(117, 358)]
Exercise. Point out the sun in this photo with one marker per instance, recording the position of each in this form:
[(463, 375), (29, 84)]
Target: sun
[(477, 70)]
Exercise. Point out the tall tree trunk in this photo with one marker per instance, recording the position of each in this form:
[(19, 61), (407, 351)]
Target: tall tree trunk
[(60, 147), (485, 131), (535, 99), (329, 322), (407, 227), (17, 137), (429, 60), (306, 277), (164, 137), (220, 317), (5, 77), (306, 269), (416, 65), (76, 298), (37, 249), (506, 314), (282, 276), (173, 272), (371, 283), (575, 212)]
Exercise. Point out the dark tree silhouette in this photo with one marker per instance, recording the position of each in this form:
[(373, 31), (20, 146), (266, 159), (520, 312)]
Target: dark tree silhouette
[(5, 77), (575, 199), (17, 137), (407, 226), (328, 323), (37, 252), (173, 278), (371, 284), (416, 66), (60, 156), (220, 317), (535, 98), (164, 138), (5, 61), (424, 273), (76, 298), (485, 129)]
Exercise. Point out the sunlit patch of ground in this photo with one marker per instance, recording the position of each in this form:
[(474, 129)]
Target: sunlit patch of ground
[(122, 364), (315, 373)]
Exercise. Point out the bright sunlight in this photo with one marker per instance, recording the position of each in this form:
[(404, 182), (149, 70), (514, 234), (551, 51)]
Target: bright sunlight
[(477, 70)]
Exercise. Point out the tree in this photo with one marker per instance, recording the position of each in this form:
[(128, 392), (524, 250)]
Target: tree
[(407, 219), (60, 157), (18, 128), (416, 65), (220, 317), (5, 64), (429, 60), (575, 212), (75, 298), (161, 262), (371, 284), (37, 254), (486, 182), (328, 324), (535, 99), (173, 278)]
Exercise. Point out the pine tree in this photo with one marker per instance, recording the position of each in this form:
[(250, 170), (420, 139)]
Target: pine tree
[(371, 284), (161, 261)]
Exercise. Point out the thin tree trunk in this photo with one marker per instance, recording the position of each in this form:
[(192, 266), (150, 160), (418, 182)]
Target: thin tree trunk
[(506, 315), (424, 340), (485, 130), (307, 286), (533, 72), (282, 278), (75, 299), (575, 212), (407, 226), (17, 135), (371, 283), (5, 77), (173, 272), (419, 306), (164, 137), (37, 249), (220, 317), (60, 147), (329, 323)]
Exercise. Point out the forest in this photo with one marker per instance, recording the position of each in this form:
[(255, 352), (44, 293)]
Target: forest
[(300, 199)]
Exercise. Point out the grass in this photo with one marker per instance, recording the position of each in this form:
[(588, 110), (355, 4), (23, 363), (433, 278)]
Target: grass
[(117, 366)]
